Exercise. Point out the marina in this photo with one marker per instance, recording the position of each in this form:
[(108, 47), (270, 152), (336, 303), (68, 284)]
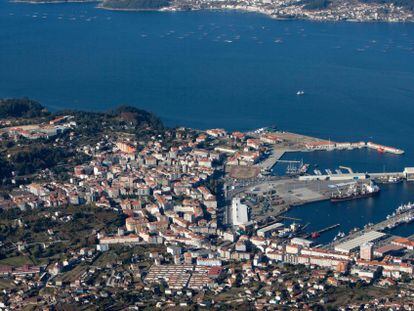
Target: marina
[(301, 144)]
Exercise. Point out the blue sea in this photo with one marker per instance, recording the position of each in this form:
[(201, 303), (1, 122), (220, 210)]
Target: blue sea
[(227, 69)]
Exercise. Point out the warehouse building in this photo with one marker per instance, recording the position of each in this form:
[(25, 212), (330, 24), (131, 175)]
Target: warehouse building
[(356, 243)]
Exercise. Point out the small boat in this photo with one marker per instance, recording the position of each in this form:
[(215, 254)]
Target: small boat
[(340, 235), (404, 208), (315, 235), (300, 92), (304, 168), (356, 229)]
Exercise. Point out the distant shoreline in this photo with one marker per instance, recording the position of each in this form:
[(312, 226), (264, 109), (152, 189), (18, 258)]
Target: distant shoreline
[(174, 9), (53, 2)]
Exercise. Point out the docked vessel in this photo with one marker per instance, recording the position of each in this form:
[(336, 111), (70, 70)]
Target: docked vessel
[(355, 191), (405, 208), (292, 170), (389, 180), (397, 219), (304, 168), (317, 172), (295, 169), (340, 235)]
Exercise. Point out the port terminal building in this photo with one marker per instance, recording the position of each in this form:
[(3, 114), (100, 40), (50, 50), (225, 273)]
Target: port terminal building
[(408, 174), (334, 177)]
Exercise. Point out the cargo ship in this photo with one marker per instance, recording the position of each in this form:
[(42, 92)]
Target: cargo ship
[(355, 191)]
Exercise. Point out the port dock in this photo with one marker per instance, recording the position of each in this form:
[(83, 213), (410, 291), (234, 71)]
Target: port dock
[(350, 171), (389, 223), (289, 218), (328, 228), (323, 230), (278, 194)]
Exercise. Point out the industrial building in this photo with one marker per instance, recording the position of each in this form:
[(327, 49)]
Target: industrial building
[(268, 230), (301, 242), (239, 212), (357, 242)]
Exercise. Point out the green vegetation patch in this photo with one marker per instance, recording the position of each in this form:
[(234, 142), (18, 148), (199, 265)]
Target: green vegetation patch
[(21, 108), (17, 261)]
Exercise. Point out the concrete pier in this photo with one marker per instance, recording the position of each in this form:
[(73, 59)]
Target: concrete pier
[(351, 176), (272, 159)]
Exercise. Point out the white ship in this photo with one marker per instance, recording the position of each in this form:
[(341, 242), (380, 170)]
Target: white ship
[(404, 208)]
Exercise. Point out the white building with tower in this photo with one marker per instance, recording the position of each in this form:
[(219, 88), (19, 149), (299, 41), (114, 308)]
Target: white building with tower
[(366, 251)]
